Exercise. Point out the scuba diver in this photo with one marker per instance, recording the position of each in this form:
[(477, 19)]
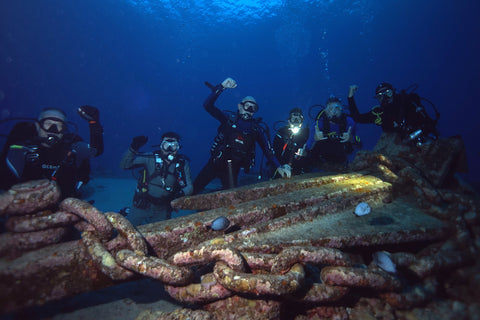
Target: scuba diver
[(332, 137), (401, 112), (164, 176), (234, 145), (45, 149), (289, 143)]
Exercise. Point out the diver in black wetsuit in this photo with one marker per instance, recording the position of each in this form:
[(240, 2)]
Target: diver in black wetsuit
[(234, 145), (289, 143), (400, 112), (44, 149)]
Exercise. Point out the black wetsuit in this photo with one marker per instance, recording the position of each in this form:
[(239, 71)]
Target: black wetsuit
[(402, 116), (286, 144), (56, 162), (235, 142), (332, 150)]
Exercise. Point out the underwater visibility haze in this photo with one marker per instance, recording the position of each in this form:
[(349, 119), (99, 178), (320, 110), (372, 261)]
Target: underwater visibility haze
[(143, 63)]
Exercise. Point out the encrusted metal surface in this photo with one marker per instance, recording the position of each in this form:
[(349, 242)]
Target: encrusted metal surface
[(393, 223), (290, 242)]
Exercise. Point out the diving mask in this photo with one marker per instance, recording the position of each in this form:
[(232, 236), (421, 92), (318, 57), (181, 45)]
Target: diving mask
[(170, 145), (52, 125), (296, 119), (385, 94), (250, 106), (334, 110)]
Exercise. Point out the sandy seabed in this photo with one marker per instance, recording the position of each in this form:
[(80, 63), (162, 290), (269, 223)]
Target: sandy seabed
[(124, 301)]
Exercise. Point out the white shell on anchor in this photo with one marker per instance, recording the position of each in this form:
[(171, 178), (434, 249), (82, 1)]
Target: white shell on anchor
[(221, 223), (362, 209), (383, 259)]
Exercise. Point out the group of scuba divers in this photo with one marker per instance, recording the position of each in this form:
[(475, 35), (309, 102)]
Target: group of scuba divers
[(45, 148)]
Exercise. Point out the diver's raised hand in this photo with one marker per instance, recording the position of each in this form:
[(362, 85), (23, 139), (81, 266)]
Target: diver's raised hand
[(229, 83), (138, 142), (89, 113), (351, 91)]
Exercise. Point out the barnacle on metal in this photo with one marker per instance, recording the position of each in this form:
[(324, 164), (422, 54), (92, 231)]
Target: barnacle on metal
[(154, 267), (260, 284)]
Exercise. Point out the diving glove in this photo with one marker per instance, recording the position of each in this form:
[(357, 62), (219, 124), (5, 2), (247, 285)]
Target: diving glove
[(285, 171), (229, 83), (83, 151), (89, 113), (138, 142)]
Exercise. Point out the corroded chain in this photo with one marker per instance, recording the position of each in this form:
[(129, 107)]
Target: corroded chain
[(121, 265), (300, 273), (285, 272), (281, 274)]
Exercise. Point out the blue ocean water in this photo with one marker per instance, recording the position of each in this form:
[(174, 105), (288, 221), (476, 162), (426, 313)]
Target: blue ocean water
[(143, 62)]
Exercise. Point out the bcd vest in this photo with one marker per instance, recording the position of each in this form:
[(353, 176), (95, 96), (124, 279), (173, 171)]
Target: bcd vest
[(231, 143), (162, 169), (342, 124)]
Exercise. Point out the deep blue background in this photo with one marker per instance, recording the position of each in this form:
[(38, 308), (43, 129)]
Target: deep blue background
[(143, 63)]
